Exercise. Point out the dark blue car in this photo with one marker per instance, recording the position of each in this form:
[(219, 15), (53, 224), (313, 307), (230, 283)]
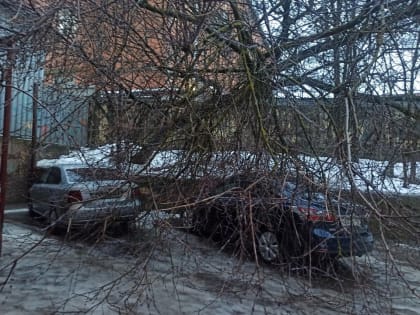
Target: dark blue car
[(281, 221), (333, 227)]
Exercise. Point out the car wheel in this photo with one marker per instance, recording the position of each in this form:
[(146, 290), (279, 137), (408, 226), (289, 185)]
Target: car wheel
[(126, 226), (268, 246), (31, 211), (188, 220), (200, 223), (52, 216)]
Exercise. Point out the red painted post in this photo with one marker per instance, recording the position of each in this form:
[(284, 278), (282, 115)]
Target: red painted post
[(34, 142), (8, 77)]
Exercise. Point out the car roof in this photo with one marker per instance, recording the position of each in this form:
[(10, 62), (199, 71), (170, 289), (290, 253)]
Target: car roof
[(71, 166)]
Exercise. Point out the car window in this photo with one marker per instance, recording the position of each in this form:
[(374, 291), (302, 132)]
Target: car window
[(289, 187), (41, 175), (54, 177), (256, 187), (91, 174)]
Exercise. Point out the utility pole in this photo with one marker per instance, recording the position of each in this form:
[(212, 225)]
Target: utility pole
[(8, 78)]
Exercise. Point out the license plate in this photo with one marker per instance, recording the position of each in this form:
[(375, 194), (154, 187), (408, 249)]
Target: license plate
[(350, 221)]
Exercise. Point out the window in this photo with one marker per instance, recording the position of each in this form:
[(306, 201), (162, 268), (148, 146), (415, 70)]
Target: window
[(91, 174), (41, 175), (54, 177)]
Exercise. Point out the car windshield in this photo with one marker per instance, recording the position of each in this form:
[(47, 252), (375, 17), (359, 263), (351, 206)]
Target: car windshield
[(91, 174), (257, 187)]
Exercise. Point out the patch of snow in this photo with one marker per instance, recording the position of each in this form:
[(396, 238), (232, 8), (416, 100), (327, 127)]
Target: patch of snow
[(368, 175), (169, 272)]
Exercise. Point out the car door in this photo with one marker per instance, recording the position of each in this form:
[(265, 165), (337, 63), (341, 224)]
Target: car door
[(39, 190), (55, 188)]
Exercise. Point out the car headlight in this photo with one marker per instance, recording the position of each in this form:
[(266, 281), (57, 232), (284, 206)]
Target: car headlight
[(322, 233)]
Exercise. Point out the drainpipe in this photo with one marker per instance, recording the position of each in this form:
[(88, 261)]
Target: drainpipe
[(8, 78)]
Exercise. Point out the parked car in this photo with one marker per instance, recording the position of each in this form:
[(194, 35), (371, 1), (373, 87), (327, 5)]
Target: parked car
[(281, 221), (79, 194)]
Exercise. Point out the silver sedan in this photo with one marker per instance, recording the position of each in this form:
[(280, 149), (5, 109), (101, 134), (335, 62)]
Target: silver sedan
[(79, 194)]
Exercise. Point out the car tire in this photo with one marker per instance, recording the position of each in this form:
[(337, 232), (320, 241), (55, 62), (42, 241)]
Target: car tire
[(31, 211), (268, 246), (52, 216), (126, 226), (188, 221), (200, 223)]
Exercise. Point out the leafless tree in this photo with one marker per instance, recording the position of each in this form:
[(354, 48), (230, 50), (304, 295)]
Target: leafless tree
[(305, 87)]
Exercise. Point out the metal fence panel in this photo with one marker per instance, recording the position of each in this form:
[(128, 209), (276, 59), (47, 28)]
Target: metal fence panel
[(62, 109)]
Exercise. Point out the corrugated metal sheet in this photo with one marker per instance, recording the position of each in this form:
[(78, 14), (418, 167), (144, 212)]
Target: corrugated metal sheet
[(62, 110), (25, 74), (63, 117)]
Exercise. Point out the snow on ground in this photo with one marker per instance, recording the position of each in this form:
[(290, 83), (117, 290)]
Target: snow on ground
[(167, 271), (368, 175), (170, 272)]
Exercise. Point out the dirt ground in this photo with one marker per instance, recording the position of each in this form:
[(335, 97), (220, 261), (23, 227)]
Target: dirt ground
[(167, 271)]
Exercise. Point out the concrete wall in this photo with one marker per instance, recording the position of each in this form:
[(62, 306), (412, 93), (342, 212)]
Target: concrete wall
[(18, 166)]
